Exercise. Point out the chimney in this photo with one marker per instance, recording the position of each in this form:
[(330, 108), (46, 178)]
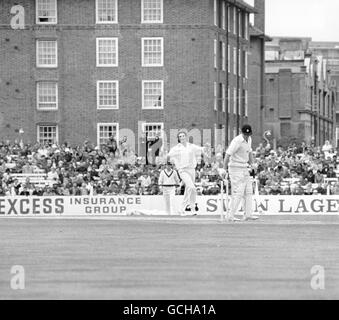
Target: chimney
[(259, 18)]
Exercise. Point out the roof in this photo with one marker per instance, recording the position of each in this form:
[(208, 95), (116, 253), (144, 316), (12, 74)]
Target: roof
[(255, 32)]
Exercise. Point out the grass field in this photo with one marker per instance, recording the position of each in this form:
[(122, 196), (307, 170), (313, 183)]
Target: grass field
[(170, 258)]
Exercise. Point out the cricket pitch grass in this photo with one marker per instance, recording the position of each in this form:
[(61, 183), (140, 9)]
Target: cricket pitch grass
[(179, 258)]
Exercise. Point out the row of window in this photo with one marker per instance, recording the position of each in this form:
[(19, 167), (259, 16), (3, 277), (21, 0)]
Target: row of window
[(107, 94), (106, 11), (220, 99), (241, 59), (152, 95), (106, 52), (50, 133), (231, 16)]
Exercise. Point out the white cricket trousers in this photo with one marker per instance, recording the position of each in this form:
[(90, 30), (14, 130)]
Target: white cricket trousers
[(187, 175), (242, 188), (169, 194)]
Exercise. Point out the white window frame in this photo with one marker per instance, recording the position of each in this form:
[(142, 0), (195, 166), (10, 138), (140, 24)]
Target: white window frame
[(115, 21), (97, 52), (215, 96), (48, 125), (38, 103), (228, 99), (246, 103), (235, 61), (107, 124), (246, 26), (234, 20), (215, 53), (239, 62), (143, 64), (116, 107), (228, 18), (143, 95), (37, 17), (234, 100), (223, 62), (246, 65), (155, 21), (223, 97), (239, 23), (223, 14), (215, 16), (37, 54), (239, 97), (161, 124), (229, 58)]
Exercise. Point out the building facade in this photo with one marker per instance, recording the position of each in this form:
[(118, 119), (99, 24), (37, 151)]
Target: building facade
[(256, 89), (300, 100), (84, 70)]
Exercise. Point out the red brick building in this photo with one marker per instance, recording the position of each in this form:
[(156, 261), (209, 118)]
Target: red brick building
[(300, 98), (76, 70)]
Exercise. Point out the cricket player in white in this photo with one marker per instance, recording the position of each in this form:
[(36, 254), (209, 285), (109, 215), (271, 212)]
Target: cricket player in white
[(238, 159), (168, 181), (184, 155)]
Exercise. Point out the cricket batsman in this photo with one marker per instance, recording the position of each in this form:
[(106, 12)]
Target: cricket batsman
[(238, 161), (184, 156)]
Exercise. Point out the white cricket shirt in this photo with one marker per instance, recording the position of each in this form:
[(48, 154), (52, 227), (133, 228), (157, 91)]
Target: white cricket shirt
[(185, 157), (239, 151)]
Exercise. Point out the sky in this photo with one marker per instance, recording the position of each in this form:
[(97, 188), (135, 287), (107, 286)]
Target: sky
[(318, 19)]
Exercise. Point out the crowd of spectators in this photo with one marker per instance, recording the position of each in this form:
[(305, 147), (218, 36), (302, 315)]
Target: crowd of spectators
[(114, 169)]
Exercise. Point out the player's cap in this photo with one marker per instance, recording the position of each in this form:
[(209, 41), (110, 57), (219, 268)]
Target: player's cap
[(182, 131), (246, 129)]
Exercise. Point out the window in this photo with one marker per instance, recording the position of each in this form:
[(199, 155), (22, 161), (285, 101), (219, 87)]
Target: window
[(151, 11), (235, 61), (223, 63), (215, 13), (246, 103), (108, 95), (46, 11), (153, 129), (229, 58), (229, 18), (215, 53), (223, 14), (47, 53), (215, 89), (246, 65), (246, 27), (47, 134), (223, 97), (106, 11), (152, 52), (47, 95), (105, 131), (239, 24), (228, 99), (107, 52), (234, 100), (234, 20), (239, 61), (152, 94)]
